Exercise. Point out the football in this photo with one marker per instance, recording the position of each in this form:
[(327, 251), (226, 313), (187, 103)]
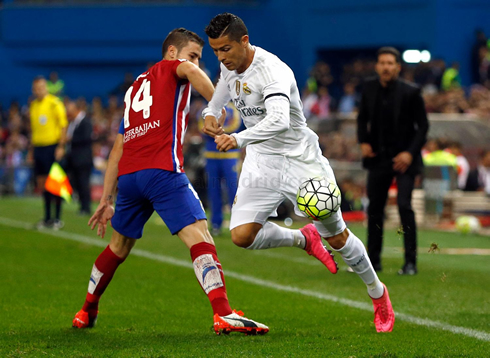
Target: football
[(318, 198), (467, 224)]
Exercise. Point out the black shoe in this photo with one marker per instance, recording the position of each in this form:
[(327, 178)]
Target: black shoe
[(408, 269)]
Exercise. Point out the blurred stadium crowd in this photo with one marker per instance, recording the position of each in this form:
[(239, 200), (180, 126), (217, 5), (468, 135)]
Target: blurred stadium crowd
[(328, 101)]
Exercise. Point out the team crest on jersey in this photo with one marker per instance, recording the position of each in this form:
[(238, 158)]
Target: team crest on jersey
[(246, 89), (237, 87)]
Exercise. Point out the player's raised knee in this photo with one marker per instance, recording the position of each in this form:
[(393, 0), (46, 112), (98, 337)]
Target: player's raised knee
[(244, 235)]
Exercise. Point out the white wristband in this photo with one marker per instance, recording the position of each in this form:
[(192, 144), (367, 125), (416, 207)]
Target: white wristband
[(208, 112)]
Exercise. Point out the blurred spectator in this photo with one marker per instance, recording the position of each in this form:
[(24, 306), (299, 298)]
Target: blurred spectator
[(18, 175), (3, 138), (479, 178), (439, 156), (318, 105), (450, 78), (99, 120), (79, 152), (479, 101), (55, 85), (322, 107), (309, 98), (484, 67), (100, 154), (16, 148), (82, 104), (357, 71), (455, 101), (463, 165), (478, 57), (320, 76), (348, 101)]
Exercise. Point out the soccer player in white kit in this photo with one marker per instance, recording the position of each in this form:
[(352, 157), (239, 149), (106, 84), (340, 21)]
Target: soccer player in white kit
[(282, 152)]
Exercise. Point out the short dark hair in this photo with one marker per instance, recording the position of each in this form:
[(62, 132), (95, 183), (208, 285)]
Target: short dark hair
[(389, 50), (226, 24), (180, 38), (442, 143)]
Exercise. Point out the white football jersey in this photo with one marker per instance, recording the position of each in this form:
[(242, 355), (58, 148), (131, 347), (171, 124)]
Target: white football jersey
[(265, 78)]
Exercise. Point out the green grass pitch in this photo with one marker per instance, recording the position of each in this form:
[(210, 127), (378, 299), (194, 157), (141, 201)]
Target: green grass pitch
[(154, 306)]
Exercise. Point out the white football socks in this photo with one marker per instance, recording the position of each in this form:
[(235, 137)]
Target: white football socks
[(272, 235), (355, 255)]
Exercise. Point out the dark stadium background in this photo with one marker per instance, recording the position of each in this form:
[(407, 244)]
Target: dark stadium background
[(93, 43)]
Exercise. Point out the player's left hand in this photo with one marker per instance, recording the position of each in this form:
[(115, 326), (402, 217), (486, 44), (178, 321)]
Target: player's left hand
[(102, 215), (225, 142), (59, 153), (402, 161)]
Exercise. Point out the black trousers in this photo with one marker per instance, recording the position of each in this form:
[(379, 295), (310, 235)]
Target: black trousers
[(80, 179), (378, 184)]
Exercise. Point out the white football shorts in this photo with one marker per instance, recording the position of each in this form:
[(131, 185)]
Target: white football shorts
[(266, 180)]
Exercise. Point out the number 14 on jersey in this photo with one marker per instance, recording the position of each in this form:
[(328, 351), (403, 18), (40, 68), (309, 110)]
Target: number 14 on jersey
[(138, 104)]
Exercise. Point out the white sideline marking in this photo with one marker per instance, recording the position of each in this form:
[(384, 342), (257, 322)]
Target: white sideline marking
[(484, 336)]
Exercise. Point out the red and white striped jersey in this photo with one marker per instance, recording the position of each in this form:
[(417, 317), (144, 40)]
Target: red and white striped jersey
[(155, 120)]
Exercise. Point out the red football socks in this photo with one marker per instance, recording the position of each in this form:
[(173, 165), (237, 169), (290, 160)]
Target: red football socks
[(104, 268), (210, 276)]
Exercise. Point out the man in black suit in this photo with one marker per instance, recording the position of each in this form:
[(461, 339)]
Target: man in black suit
[(79, 153), (392, 128)]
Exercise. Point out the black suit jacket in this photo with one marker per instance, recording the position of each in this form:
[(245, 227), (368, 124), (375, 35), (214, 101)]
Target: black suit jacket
[(80, 148), (410, 127)]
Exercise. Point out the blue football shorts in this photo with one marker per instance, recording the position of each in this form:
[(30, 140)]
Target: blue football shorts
[(142, 192)]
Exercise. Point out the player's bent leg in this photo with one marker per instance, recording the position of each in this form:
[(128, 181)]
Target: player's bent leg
[(102, 273), (254, 236), (244, 235)]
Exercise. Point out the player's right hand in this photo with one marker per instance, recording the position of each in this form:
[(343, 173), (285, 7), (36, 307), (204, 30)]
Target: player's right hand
[(211, 127), (102, 215)]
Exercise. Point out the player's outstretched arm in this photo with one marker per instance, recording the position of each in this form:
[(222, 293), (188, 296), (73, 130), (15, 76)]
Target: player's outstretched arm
[(105, 210), (198, 79), (202, 84)]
